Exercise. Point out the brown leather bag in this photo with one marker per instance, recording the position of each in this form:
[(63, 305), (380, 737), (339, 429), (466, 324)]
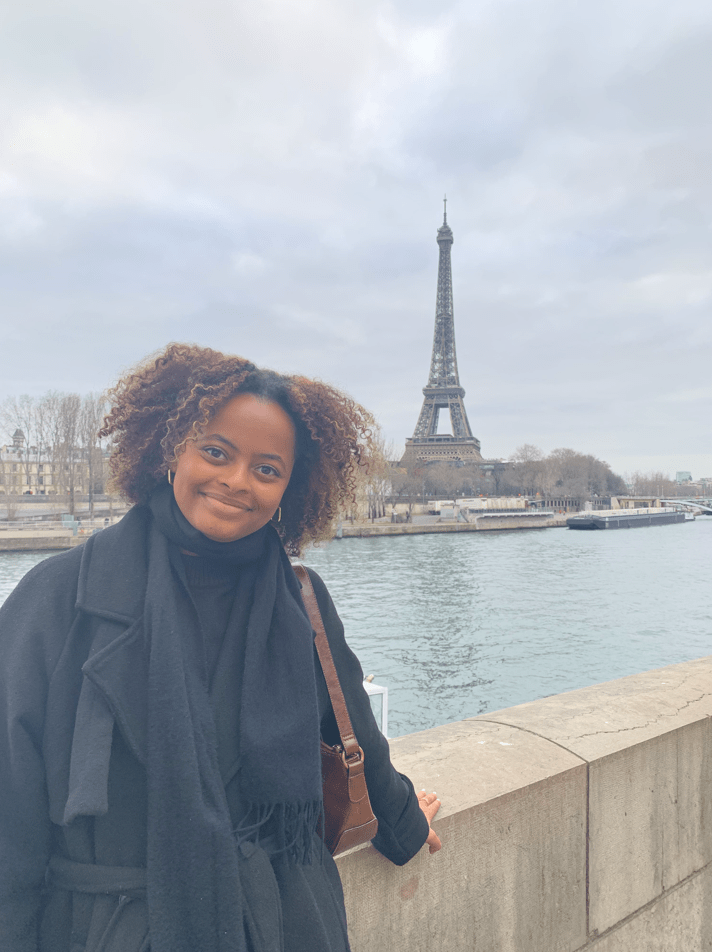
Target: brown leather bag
[(348, 817)]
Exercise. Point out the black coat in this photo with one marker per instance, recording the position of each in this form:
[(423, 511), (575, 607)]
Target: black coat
[(72, 750)]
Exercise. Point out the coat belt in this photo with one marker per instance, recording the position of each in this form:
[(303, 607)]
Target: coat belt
[(91, 878)]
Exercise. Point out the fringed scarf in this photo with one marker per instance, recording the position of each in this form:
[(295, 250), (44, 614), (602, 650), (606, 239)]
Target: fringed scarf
[(194, 892)]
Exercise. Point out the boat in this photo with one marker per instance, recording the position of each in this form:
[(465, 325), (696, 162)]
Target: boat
[(626, 518)]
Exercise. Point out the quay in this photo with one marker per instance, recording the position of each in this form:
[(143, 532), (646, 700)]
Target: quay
[(58, 535), (45, 535), (577, 823), (485, 522), (46, 527), (39, 540)]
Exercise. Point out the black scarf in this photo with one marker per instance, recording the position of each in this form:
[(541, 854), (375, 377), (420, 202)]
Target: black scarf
[(194, 891)]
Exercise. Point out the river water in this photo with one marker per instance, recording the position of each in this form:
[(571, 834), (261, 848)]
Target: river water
[(460, 624)]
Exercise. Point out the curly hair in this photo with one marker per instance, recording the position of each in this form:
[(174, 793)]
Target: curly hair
[(168, 398)]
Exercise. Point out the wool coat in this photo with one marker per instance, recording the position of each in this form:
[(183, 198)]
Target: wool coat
[(73, 670)]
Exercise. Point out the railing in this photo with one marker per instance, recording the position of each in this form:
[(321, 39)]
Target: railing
[(703, 505), (53, 525), (10, 527)]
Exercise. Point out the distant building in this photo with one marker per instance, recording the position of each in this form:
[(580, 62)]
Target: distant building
[(683, 477), (38, 471), (24, 470)]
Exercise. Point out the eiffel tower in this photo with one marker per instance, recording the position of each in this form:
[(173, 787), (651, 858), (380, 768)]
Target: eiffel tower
[(443, 390)]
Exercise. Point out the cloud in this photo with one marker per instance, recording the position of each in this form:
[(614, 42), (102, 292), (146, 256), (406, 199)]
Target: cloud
[(266, 178)]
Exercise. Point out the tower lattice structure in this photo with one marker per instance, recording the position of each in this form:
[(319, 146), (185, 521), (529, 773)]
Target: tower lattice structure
[(443, 390)]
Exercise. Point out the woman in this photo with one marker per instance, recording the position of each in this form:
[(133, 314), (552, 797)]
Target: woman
[(160, 779)]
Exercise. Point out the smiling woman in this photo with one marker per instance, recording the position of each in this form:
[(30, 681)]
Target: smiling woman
[(169, 404), (160, 779), (229, 482)]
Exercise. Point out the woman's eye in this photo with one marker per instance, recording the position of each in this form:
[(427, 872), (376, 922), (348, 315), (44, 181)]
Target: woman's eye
[(267, 470), (214, 451)]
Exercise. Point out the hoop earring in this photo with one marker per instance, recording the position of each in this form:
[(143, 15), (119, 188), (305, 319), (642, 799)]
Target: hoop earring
[(170, 477), (278, 514)]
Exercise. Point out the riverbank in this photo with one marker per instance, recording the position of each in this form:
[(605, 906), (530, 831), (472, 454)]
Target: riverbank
[(487, 522), (39, 541), (45, 538), (51, 536)]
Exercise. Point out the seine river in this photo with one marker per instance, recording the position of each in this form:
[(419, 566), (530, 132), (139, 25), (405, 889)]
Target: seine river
[(460, 624)]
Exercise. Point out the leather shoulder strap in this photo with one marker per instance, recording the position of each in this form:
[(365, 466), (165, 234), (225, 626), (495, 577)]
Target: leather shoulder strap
[(336, 695)]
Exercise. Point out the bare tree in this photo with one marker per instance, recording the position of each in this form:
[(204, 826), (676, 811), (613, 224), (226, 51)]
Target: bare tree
[(407, 485), (60, 421), (70, 407), (372, 482), (48, 409), (378, 477), (444, 479), (91, 415), (563, 472), (568, 472), (528, 470), (579, 474), (653, 484)]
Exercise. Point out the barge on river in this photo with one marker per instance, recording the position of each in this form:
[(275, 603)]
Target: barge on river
[(626, 518)]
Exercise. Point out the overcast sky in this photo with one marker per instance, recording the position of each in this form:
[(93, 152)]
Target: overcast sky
[(267, 177)]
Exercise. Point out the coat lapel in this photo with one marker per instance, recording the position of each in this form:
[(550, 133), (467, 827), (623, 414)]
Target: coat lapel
[(111, 592)]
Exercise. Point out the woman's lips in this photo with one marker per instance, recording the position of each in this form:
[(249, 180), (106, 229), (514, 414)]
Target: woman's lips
[(228, 501)]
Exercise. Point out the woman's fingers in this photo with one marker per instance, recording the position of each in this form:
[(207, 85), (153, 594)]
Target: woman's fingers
[(433, 842), (427, 797), (429, 804)]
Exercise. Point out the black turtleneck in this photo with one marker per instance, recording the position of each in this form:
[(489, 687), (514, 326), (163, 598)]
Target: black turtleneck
[(212, 585)]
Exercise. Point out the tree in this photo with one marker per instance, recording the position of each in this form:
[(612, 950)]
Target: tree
[(91, 415), (564, 472), (407, 485), (527, 473), (377, 478), (653, 484), (69, 410), (60, 421), (568, 472), (373, 482)]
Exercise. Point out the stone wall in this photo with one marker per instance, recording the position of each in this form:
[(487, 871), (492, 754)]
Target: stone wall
[(581, 821), (38, 540), (531, 519)]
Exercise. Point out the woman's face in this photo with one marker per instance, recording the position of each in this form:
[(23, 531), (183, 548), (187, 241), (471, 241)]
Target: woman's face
[(229, 482)]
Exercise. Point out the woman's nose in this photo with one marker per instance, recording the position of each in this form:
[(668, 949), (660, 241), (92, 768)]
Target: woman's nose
[(237, 476)]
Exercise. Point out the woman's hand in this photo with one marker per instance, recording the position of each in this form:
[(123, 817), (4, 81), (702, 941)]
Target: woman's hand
[(430, 805)]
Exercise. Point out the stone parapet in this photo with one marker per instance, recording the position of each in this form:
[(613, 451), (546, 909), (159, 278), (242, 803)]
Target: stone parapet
[(580, 821)]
